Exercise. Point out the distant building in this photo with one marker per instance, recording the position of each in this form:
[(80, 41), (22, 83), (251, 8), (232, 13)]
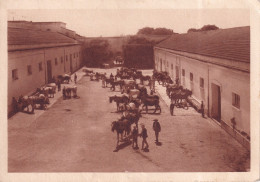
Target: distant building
[(215, 65), (37, 52)]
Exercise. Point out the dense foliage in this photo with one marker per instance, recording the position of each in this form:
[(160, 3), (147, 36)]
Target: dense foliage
[(154, 31), (204, 28), (97, 52)]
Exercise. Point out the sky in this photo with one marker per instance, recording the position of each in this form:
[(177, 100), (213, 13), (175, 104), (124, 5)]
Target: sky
[(117, 22)]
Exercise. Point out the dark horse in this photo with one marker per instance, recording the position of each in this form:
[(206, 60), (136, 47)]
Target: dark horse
[(180, 95), (119, 100), (151, 100), (133, 117), (116, 83), (121, 126)]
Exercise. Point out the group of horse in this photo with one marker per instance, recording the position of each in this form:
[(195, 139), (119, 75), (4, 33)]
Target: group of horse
[(132, 100), (38, 99), (178, 95)]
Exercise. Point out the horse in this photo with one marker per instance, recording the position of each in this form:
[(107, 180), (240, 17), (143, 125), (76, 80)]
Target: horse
[(41, 100), (181, 95), (107, 81), (64, 78), (132, 114), (119, 99), (115, 83), (67, 91), (151, 100), (26, 101), (121, 126), (87, 71)]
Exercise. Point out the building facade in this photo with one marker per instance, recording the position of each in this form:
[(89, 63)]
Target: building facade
[(36, 56), (215, 66)]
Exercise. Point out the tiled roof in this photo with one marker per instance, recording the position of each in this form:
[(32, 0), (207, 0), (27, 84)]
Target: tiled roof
[(19, 36), (232, 44)]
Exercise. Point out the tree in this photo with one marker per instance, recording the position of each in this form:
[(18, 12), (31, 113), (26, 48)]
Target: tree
[(152, 31), (145, 30), (204, 28), (162, 31), (138, 40), (97, 52), (193, 30), (209, 27)]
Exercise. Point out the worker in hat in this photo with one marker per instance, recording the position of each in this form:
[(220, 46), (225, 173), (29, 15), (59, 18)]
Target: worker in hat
[(157, 129), (144, 135)]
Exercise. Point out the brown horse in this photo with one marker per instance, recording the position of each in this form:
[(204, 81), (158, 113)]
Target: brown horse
[(151, 100), (26, 102), (121, 126), (119, 100)]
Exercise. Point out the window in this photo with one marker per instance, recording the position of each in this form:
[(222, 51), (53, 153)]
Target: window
[(61, 59), (201, 83), (236, 100), (183, 72), (167, 64), (15, 74), (56, 61), (29, 69), (40, 66), (66, 57), (191, 77), (77, 54), (70, 56), (172, 66), (74, 55)]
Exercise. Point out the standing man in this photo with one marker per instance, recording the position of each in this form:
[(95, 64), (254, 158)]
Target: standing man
[(144, 135), (157, 129), (172, 107), (135, 136), (59, 85), (75, 78)]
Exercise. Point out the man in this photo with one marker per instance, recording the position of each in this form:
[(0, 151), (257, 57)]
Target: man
[(157, 129), (59, 85), (64, 93), (172, 107), (111, 76), (75, 78), (135, 136), (144, 135)]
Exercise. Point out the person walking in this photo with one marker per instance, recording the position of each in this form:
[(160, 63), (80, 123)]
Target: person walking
[(172, 107), (64, 93), (135, 136), (59, 85), (75, 78), (144, 135), (157, 129)]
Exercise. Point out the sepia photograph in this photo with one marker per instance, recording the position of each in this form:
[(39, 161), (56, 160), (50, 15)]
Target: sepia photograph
[(129, 90)]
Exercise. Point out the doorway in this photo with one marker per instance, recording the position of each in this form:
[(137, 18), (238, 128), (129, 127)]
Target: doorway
[(216, 102), (71, 70), (49, 72)]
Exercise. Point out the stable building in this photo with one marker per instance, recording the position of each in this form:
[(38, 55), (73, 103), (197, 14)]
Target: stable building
[(215, 66), (37, 52)]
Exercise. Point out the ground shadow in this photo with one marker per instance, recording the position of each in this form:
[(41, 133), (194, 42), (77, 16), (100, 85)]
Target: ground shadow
[(122, 146)]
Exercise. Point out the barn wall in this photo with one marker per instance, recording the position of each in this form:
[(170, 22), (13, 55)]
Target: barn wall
[(228, 79), (26, 84)]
